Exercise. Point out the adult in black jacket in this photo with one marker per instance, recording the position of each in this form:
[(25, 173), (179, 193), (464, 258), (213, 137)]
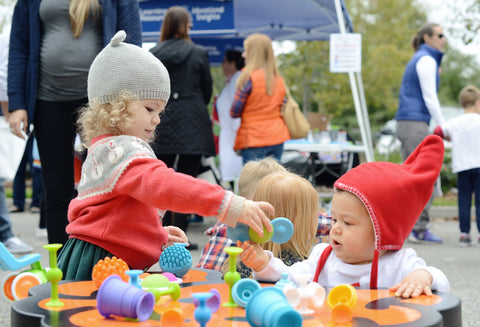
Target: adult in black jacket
[(185, 131)]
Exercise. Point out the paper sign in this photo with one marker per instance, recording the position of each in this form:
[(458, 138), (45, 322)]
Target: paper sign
[(345, 53)]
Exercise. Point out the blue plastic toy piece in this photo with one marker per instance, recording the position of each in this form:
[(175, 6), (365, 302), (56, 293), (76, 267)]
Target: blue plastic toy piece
[(202, 313), (282, 230), (176, 259), (133, 274), (239, 233), (213, 302), (243, 290), (269, 307), (284, 281), (9, 262)]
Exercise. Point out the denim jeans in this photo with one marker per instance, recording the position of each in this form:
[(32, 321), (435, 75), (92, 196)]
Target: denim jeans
[(5, 222), (468, 182), (254, 154)]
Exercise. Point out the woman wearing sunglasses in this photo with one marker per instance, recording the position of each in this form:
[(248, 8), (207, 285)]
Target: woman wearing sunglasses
[(418, 103)]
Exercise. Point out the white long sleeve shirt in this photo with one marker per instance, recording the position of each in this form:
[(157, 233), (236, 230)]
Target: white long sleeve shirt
[(427, 75), (393, 266)]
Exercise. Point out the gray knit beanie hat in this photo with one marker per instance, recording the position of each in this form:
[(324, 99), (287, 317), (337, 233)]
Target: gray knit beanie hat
[(121, 67)]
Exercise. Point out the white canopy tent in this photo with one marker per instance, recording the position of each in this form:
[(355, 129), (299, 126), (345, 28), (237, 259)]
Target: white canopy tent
[(223, 24)]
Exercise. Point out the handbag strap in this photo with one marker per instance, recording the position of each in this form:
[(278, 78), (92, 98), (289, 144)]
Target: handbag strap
[(286, 89)]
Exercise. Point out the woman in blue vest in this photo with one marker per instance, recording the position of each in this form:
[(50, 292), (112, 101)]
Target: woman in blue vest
[(418, 103)]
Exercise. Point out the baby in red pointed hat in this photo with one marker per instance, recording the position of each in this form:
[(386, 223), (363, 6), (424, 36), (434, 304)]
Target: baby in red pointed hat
[(374, 208)]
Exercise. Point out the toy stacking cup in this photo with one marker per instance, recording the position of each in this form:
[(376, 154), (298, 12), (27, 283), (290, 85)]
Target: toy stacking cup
[(268, 307), (115, 297)]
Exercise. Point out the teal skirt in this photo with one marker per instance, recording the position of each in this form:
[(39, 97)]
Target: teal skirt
[(77, 259)]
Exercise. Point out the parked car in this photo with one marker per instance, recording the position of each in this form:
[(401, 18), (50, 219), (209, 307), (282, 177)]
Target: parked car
[(387, 141)]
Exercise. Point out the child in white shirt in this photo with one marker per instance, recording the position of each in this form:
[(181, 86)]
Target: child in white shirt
[(374, 208), (464, 132)]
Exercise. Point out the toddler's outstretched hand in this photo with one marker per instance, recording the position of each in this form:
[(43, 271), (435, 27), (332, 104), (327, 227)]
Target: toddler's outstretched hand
[(254, 216), (416, 283), (253, 255), (175, 235)]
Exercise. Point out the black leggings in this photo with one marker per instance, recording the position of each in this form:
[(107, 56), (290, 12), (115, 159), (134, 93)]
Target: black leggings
[(55, 130), (186, 164)]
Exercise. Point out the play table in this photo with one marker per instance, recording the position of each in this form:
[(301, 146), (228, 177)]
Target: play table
[(373, 308)]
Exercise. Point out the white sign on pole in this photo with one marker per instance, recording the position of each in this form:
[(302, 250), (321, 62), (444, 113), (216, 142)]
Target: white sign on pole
[(345, 52)]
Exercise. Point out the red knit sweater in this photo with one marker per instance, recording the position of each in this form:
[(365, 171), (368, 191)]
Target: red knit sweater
[(116, 207)]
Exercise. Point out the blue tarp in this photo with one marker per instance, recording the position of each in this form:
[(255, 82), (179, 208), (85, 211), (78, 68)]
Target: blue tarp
[(220, 25)]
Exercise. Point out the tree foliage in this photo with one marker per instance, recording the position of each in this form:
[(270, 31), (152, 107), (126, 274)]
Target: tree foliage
[(464, 20), (458, 70), (386, 27)]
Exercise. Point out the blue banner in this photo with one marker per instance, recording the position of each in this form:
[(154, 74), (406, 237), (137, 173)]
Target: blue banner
[(217, 47), (208, 16)]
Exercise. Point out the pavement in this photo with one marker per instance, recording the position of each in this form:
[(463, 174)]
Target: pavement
[(461, 265)]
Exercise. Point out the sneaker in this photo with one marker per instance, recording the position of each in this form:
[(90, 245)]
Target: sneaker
[(429, 237), (16, 245), (425, 236), (16, 210), (41, 232), (465, 240), (413, 237)]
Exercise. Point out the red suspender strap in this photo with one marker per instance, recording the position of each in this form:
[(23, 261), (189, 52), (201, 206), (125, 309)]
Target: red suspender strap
[(321, 262), (374, 271)]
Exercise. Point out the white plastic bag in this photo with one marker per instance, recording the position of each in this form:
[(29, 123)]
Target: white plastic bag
[(11, 151)]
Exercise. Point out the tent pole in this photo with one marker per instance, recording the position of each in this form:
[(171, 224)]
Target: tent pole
[(362, 114), (365, 111)]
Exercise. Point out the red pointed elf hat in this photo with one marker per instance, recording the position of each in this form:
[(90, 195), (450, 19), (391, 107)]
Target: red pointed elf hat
[(396, 194)]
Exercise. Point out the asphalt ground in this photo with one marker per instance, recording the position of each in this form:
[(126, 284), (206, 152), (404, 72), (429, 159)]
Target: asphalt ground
[(461, 265)]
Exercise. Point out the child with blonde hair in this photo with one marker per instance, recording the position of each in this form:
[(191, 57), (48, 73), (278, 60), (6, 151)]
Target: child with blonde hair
[(374, 208), (213, 256), (124, 189), (464, 132), (294, 198)]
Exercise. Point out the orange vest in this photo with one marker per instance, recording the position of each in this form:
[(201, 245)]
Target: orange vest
[(261, 124)]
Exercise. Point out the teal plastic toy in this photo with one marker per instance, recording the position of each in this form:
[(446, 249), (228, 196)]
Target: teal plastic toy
[(243, 290), (281, 233), (176, 259), (17, 284)]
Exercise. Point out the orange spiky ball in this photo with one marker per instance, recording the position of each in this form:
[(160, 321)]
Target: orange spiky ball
[(107, 267)]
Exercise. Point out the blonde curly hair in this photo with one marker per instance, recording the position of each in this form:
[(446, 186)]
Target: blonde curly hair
[(110, 118)]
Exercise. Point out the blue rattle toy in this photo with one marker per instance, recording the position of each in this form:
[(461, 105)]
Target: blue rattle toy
[(281, 233)]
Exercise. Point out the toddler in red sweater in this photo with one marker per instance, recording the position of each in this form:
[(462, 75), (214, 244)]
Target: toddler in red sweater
[(124, 189)]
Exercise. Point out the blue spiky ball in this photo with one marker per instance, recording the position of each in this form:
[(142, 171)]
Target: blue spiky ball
[(176, 259)]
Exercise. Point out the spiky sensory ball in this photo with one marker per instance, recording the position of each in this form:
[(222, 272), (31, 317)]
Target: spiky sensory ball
[(109, 266), (176, 259)]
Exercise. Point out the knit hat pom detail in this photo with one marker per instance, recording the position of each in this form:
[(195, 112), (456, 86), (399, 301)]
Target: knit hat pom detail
[(120, 36), (123, 68)]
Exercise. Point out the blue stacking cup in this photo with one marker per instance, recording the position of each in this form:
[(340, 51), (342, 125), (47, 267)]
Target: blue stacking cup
[(268, 307)]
